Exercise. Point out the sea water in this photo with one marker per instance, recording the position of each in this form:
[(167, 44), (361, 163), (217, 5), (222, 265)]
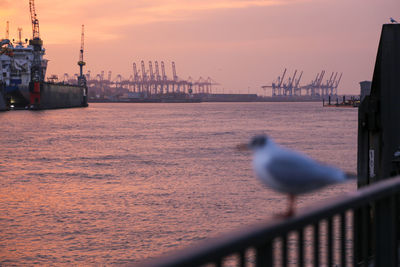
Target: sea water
[(120, 183)]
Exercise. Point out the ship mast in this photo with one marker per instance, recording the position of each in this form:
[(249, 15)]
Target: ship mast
[(8, 30), (20, 36)]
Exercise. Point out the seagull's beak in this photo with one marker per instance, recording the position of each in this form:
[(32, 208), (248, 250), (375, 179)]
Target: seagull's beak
[(242, 147)]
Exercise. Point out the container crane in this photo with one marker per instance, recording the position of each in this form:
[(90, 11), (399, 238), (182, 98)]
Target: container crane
[(152, 79), (333, 81), (289, 87), (175, 78), (329, 86), (164, 77), (297, 90), (276, 87), (143, 69), (137, 85), (337, 83), (328, 82), (281, 79), (135, 73), (151, 71), (144, 77), (158, 76)]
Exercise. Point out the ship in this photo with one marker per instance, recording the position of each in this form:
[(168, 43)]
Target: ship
[(23, 71)]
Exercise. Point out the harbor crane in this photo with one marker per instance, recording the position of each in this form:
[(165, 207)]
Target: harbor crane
[(316, 88), (81, 63), (149, 81), (36, 69), (276, 87), (289, 86), (35, 21), (297, 89)]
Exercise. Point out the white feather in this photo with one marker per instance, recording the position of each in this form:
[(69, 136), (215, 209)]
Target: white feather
[(291, 172)]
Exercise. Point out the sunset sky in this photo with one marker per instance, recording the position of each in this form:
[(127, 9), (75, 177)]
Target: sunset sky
[(241, 44)]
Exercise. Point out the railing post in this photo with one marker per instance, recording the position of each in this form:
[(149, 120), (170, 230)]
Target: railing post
[(385, 232), (264, 255)]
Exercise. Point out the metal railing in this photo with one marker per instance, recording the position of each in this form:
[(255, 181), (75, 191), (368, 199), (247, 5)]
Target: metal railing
[(359, 229)]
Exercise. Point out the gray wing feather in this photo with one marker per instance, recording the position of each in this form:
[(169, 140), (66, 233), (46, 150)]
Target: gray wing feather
[(297, 174)]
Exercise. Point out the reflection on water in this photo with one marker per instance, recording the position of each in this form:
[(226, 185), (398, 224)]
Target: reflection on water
[(118, 183)]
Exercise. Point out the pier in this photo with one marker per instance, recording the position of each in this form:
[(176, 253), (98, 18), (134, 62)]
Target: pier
[(359, 229)]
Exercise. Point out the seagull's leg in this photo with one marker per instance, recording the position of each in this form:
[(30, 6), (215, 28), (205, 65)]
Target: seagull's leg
[(290, 211)]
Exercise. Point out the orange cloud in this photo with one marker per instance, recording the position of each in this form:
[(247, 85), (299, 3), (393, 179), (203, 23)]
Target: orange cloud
[(60, 20)]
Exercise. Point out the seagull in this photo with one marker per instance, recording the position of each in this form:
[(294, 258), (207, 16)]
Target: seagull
[(289, 172), (392, 20)]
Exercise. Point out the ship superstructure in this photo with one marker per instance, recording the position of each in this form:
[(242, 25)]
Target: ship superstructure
[(16, 68), (22, 75)]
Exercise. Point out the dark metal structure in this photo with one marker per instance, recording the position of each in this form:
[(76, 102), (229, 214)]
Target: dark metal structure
[(379, 114), (379, 133), (322, 236)]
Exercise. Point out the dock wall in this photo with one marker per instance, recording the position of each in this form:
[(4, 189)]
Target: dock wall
[(61, 96), (3, 106)]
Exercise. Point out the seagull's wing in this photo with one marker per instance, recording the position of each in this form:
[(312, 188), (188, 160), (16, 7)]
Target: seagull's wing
[(296, 174)]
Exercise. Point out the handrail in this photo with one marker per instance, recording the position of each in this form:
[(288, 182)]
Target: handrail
[(214, 250)]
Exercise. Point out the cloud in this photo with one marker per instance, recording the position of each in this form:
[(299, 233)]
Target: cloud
[(60, 20), (4, 3), (106, 16), (7, 9)]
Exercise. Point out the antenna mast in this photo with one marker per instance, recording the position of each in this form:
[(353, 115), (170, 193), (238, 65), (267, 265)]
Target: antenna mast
[(8, 30), (20, 36)]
